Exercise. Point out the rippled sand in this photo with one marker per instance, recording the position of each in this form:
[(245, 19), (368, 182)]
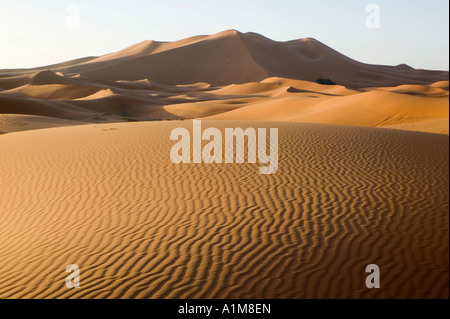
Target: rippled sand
[(108, 198)]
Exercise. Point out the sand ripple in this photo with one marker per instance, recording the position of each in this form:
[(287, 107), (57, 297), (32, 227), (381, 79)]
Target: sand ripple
[(108, 198)]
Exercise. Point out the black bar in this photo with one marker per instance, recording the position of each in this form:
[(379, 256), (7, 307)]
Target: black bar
[(234, 308)]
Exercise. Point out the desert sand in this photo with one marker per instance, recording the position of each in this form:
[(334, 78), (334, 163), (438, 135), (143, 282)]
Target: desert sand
[(107, 198), (86, 177)]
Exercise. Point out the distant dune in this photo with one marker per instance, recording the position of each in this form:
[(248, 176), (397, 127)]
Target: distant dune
[(232, 57), (108, 198), (230, 75)]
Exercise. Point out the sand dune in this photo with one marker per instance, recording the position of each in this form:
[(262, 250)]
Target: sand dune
[(54, 91), (20, 122), (108, 198), (232, 57), (58, 109), (365, 109), (277, 99), (230, 76), (432, 126), (438, 89)]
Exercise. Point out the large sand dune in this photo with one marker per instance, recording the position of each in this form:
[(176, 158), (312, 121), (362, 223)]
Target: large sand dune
[(234, 57), (108, 198), (230, 75)]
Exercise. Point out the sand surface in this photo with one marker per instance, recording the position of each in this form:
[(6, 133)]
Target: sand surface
[(107, 198)]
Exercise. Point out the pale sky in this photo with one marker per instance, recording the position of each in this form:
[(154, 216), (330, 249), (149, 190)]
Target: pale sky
[(38, 33)]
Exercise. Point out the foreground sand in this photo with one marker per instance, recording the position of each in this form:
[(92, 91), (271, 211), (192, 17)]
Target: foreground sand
[(108, 198)]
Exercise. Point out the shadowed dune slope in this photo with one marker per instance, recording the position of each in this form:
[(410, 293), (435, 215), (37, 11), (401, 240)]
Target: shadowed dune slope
[(108, 198)]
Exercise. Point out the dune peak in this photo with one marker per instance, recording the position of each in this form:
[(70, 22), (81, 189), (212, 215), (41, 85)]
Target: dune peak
[(48, 77)]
